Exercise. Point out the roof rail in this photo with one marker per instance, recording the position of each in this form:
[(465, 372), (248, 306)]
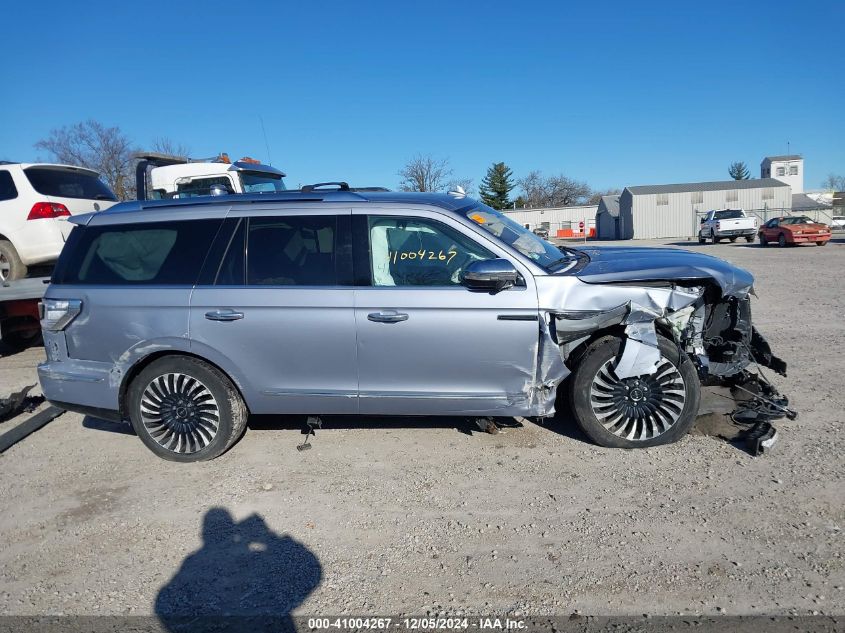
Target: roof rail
[(341, 186)]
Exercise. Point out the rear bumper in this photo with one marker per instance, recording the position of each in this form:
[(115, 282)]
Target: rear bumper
[(41, 241), (78, 385), (737, 233)]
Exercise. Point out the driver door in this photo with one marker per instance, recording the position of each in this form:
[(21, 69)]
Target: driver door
[(426, 344)]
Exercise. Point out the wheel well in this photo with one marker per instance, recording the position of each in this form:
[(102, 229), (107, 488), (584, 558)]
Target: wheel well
[(617, 331), (138, 367)]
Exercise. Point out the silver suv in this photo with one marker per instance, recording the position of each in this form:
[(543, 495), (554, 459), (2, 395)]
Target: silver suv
[(185, 316)]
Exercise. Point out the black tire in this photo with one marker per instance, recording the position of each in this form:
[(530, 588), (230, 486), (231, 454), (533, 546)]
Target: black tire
[(782, 240), (732, 239), (701, 238), (713, 238), (749, 238), (19, 340), (183, 419), (602, 354), (821, 243), (763, 241), (11, 266)]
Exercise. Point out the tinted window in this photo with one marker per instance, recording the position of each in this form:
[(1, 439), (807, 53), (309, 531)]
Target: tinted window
[(7, 186), (728, 215), (292, 251), (68, 183), (418, 252), (152, 253), (232, 271), (201, 186)]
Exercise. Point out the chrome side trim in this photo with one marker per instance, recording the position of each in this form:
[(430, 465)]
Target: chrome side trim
[(422, 395), (305, 392)]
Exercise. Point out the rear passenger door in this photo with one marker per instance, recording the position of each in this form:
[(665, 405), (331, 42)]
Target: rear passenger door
[(278, 309)]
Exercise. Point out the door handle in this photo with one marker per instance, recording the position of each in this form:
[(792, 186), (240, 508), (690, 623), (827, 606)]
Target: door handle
[(224, 315), (387, 316)]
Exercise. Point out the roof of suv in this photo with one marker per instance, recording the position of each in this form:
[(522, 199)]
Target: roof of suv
[(443, 200), (11, 163)]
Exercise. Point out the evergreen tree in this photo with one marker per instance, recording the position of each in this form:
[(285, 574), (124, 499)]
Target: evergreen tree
[(739, 171), (496, 186)]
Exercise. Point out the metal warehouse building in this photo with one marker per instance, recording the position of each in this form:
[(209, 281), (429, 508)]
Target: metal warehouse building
[(656, 211), (560, 221)]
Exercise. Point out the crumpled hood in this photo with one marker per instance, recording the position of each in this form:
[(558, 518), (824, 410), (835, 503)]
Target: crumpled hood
[(613, 264)]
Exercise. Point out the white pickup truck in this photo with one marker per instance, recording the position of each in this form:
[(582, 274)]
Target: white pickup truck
[(727, 224)]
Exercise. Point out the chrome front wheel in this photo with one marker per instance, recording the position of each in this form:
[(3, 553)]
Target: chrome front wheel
[(639, 411), (638, 408)]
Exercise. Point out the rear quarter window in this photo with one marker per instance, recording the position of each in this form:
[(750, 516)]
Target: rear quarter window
[(8, 191), (68, 183), (151, 253)]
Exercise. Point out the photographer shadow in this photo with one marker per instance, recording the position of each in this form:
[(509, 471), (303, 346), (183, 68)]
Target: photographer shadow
[(244, 578)]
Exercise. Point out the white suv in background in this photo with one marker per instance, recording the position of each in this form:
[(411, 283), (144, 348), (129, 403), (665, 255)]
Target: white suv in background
[(35, 202)]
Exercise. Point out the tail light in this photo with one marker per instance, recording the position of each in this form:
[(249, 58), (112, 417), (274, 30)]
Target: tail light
[(43, 210), (56, 314), (718, 226)]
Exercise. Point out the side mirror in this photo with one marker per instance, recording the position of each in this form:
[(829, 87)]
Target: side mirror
[(494, 275), (219, 190)]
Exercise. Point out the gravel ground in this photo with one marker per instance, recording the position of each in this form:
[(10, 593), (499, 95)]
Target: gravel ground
[(419, 517)]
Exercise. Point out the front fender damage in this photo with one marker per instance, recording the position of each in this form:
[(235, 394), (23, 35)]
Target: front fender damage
[(712, 326)]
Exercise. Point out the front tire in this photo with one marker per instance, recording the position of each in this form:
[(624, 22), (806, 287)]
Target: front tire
[(634, 412), (732, 239), (185, 410), (11, 266), (713, 238), (749, 238), (763, 241), (782, 240)]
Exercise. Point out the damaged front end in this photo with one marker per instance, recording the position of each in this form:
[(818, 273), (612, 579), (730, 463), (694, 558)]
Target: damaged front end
[(701, 303)]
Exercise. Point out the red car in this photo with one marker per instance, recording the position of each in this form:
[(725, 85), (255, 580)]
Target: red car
[(792, 230)]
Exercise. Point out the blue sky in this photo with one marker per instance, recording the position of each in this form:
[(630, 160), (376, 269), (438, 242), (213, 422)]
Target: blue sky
[(611, 93)]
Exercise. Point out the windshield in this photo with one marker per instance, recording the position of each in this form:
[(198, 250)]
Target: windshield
[(517, 236), (728, 215), (800, 220), (261, 182)]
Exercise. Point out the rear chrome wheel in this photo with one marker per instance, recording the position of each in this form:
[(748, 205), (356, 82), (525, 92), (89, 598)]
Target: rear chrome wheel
[(185, 409), (180, 413), (639, 408), (639, 411)]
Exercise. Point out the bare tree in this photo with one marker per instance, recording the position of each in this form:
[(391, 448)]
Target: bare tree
[(425, 173), (834, 183), (596, 196), (552, 191), (91, 144), (165, 145)]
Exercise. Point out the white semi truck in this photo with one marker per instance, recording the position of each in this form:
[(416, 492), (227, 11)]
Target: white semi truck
[(161, 176)]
